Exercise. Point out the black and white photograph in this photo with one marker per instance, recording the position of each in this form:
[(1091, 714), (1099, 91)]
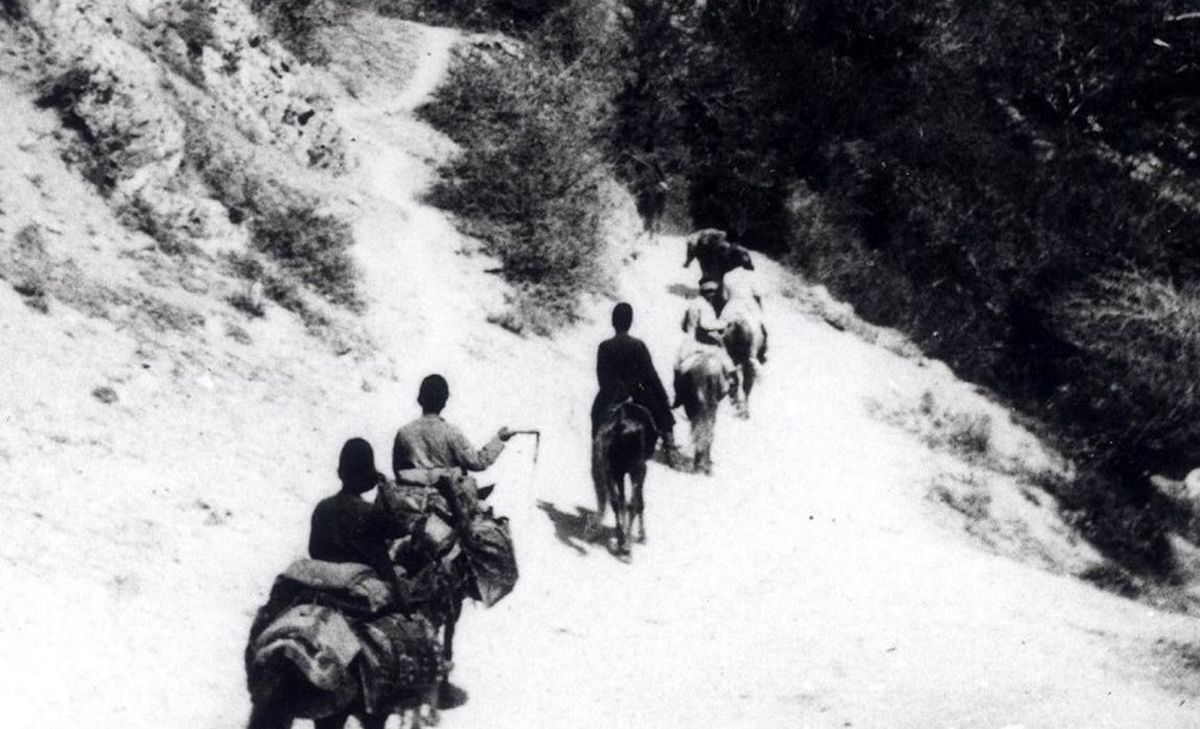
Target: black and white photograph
[(600, 364)]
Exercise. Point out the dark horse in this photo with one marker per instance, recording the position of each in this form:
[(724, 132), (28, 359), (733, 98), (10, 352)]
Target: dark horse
[(283, 687), (700, 386), (620, 448), (440, 575)]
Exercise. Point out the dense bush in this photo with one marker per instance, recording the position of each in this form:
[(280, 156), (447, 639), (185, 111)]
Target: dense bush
[(100, 149), (296, 24), (527, 180), (512, 16), (312, 247)]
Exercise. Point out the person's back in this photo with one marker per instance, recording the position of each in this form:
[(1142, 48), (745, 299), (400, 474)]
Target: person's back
[(624, 369), (621, 366), (344, 529), (430, 443), (347, 528)]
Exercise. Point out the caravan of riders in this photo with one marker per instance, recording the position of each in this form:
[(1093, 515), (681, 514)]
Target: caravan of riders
[(365, 625)]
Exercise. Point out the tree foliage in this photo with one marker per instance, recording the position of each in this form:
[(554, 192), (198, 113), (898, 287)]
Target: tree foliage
[(987, 176)]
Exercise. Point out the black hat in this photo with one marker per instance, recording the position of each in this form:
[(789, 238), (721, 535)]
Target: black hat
[(434, 393), (356, 465), (622, 317)]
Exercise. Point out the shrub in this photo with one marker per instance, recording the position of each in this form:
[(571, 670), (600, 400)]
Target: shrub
[(528, 180), (312, 247), (195, 27), (507, 15), (99, 148), (1135, 374), (297, 23), (14, 9), (244, 302)]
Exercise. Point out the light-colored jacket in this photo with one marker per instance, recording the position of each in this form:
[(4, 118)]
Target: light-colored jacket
[(430, 443)]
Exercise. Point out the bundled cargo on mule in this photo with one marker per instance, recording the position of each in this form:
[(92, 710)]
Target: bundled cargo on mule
[(333, 635), (470, 539), (339, 638)]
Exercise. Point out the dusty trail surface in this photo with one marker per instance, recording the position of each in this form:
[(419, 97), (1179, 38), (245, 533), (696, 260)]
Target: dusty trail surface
[(812, 581)]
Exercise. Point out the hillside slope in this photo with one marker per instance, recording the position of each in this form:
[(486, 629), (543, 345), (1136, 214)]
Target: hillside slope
[(822, 577)]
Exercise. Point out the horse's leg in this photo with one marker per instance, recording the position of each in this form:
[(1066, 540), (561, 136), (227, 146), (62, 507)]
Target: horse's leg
[(269, 717), (600, 484), (744, 379), (616, 487), (454, 611), (638, 506), (704, 447), (337, 721), (448, 696), (749, 375), (372, 721)]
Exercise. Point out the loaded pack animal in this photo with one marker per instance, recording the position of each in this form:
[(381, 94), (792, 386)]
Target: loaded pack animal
[(332, 643), (702, 380), (716, 254), (621, 446), (741, 332), (719, 257), (745, 340)]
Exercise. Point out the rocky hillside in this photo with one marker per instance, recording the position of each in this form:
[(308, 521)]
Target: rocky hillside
[(182, 136)]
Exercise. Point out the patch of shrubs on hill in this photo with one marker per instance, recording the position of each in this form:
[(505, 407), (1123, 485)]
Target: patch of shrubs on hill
[(313, 247), (510, 16), (527, 182), (297, 23), (309, 247)]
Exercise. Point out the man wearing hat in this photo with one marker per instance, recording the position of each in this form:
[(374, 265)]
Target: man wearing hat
[(706, 329), (431, 443), (624, 369), (348, 528)]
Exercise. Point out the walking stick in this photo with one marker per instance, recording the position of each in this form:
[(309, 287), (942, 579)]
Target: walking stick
[(531, 489), (537, 440)]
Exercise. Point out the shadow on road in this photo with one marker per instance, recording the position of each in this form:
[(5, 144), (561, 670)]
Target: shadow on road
[(682, 291), (572, 529), (680, 461)]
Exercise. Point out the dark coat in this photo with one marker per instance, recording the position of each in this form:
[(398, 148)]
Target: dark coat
[(624, 369), (346, 528)]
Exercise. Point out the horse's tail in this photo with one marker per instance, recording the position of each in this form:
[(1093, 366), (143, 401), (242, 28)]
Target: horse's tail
[(702, 385), (740, 340)]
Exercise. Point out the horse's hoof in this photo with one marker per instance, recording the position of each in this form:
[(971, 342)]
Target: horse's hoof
[(450, 696), (426, 716)]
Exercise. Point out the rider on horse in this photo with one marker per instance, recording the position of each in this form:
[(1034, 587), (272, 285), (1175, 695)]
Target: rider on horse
[(624, 370)]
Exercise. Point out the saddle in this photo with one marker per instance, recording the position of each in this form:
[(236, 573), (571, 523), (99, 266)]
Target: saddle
[(630, 409)]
